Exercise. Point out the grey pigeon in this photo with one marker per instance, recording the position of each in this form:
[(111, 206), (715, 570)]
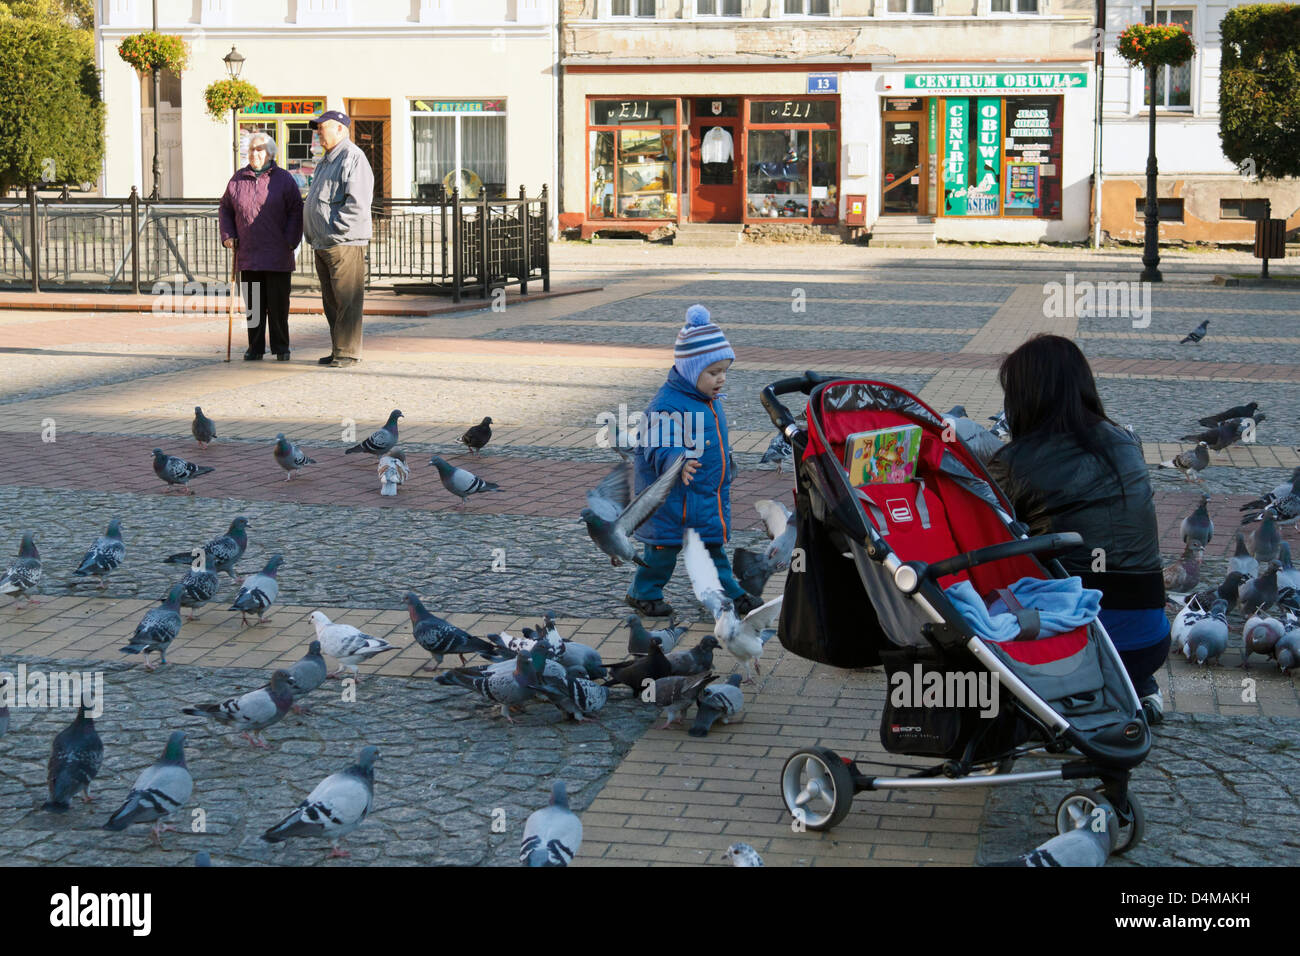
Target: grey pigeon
[(717, 702), (157, 629), (1287, 651), (476, 436), (610, 516), (1281, 491), (177, 471), (258, 592), (635, 672), (74, 761), (219, 554), (338, 805), (202, 428), (1260, 594), (638, 638), (675, 695), (1081, 846), (349, 646), (1288, 576), (1197, 527), (1259, 635), (982, 442), (440, 637), (1288, 600), (1000, 428), (197, 589), (308, 673), (743, 639), (508, 689), (1189, 614), (382, 439), (24, 573), (753, 569), (1228, 591), (1190, 463), (1266, 541), (1242, 560), (742, 854), (552, 835), (575, 654), (104, 555), (1185, 573), (252, 712), (576, 695), (289, 456), (1222, 435), (1236, 411), (1196, 334), (695, 661), (460, 482), (1208, 638), (160, 790), (779, 451)]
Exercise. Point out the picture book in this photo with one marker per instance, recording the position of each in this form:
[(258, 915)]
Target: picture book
[(884, 456)]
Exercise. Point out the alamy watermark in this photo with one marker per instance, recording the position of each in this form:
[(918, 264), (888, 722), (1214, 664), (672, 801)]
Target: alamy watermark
[(921, 688), (209, 298), (653, 430), (1108, 300), (40, 690)]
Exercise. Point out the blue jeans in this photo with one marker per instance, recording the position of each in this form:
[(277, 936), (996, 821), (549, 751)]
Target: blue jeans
[(661, 561)]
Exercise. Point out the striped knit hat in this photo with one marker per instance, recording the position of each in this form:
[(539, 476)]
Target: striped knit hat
[(700, 343)]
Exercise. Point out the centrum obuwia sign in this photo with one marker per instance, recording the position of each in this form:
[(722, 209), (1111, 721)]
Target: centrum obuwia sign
[(993, 82)]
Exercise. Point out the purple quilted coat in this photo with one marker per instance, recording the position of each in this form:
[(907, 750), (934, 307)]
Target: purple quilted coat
[(265, 214)]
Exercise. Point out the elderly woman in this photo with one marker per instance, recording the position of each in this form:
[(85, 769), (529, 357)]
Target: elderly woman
[(261, 219)]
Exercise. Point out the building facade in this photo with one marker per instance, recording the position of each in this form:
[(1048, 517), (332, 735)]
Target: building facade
[(1203, 197), (972, 118), (440, 91)]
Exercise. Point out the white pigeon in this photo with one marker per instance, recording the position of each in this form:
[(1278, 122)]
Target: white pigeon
[(553, 834), (335, 808), (742, 854), (1189, 615), (393, 471), (743, 639), (347, 644)]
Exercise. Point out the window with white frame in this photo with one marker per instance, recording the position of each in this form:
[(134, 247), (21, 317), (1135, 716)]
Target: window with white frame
[(717, 8), (915, 7), (631, 8), (1173, 84), (807, 8), (1014, 6), (459, 144)]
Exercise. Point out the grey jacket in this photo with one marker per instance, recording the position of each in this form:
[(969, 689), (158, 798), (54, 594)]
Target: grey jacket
[(336, 211)]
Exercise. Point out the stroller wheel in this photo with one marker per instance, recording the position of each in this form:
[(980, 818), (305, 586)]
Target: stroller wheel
[(817, 787), (1131, 835), (1078, 809)]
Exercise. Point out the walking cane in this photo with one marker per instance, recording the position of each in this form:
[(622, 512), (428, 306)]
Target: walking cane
[(234, 279)]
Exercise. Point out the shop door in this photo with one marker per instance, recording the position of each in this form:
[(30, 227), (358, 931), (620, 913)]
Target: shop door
[(369, 136), (715, 169), (902, 167)]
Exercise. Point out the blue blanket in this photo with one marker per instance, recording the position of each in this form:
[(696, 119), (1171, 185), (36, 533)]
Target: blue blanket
[(1062, 605)]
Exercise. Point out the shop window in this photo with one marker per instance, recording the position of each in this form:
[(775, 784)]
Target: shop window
[(1173, 84), (1001, 156), (1015, 6), (1033, 157), (1243, 209), (459, 144), (633, 166), (808, 8), (717, 8), (287, 122), (631, 8), (792, 171), (1169, 210), (778, 174)]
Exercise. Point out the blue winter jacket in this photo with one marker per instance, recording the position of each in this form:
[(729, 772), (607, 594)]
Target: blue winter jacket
[(680, 415)]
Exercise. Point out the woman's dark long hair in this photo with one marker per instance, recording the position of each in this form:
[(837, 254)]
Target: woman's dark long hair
[(1049, 389)]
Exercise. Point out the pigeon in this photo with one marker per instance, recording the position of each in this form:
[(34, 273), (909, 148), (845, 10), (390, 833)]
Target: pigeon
[(753, 570), (1082, 846), (1221, 435), (695, 661), (1287, 651), (743, 639), (1265, 542), (393, 471), (1288, 600), (779, 451), (1287, 576), (254, 711), (1260, 635), (574, 654), (742, 854), (197, 589), (258, 592), (349, 646), (1284, 511), (1288, 487), (1191, 613), (1228, 592), (1207, 639), (635, 672), (1190, 462), (552, 835), (1236, 411), (104, 555), (162, 788), (610, 516), (717, 701), (308, 673), (1241, 559), (460, 482), (74, 761), (576, 695), (550, 634), (219, 554), (290, 457), (1197, 527), (675, 695), (25, 572), (508, 688), (1185, 573), (177, 471), (542, 658), (1000, 428), (638, 638), (157, 629), (1260, 594), (202, 428), (337, 806), (440, 637), (1196, 334), (381, 440), (476, 436)]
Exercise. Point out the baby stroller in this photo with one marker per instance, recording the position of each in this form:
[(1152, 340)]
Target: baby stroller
[(872, 592)]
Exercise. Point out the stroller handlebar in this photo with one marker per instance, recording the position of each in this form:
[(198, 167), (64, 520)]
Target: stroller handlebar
[(1045, 545), (776, 410)]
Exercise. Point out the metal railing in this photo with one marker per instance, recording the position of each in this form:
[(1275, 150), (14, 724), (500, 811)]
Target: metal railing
[(458, 247)]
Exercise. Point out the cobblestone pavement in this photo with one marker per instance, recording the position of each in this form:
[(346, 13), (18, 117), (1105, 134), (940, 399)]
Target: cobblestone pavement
[(935, 322)]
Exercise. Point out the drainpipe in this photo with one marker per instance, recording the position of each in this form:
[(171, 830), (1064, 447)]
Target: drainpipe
[(1100, 57), (557, 49)]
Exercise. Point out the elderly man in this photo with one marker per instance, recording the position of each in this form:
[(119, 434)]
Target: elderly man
[(336, 221)]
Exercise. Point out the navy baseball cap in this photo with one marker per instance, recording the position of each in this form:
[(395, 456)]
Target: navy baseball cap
[(335, 115)]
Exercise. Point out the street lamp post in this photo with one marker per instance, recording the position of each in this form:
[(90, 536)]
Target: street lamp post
[(234, 66), (1151, 248), (156, 193)]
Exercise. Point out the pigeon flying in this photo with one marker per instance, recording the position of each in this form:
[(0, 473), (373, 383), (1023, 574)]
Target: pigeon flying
[(610, 516)]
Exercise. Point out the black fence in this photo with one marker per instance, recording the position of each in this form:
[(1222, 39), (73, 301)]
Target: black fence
[(454, 246)]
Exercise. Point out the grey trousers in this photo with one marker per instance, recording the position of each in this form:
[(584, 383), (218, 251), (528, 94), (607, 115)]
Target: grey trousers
[(342, 271)]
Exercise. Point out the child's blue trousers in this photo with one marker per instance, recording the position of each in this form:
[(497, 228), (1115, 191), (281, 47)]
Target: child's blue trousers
[(661, 560)]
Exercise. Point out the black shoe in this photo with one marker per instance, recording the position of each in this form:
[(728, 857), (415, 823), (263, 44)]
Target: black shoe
[(282, 356), (251, 356), (746, 603), (656, 608), (343, 362), (325, 360)]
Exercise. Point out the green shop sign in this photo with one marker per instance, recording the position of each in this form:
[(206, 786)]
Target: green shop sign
[(955, 159), (993, 82)]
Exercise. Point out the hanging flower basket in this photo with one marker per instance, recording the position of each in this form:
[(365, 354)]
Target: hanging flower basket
[(1154, 46), (226, 95), (146, 52)]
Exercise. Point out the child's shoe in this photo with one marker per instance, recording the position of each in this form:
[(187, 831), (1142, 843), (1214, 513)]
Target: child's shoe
[(657, 607), (1153, 708), (746, 603)]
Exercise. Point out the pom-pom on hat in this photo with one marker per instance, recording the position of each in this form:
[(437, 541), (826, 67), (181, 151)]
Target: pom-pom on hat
[(700, 343)]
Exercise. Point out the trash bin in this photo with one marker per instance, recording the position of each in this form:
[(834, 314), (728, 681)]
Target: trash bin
[(1270, 238)]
